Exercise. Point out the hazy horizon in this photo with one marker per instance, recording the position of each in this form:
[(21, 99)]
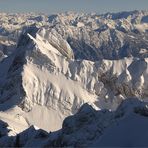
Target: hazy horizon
[(57, 6)]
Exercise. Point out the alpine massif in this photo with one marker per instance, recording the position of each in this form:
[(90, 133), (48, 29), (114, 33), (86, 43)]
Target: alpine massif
[(92, 68)]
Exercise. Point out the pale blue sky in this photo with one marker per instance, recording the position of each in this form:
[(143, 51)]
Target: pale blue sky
[(54, 6)]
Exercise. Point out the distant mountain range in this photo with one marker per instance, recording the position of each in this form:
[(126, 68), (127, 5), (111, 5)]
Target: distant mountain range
[(50, 66)]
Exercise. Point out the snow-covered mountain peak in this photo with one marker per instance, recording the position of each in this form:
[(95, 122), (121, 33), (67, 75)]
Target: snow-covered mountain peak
[(67, 83), (45, 38)]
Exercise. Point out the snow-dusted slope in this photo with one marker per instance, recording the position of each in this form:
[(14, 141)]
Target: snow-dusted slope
[(126, 127)]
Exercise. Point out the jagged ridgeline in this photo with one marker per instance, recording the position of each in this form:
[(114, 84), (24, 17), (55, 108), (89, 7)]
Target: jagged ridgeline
[(91, 36)]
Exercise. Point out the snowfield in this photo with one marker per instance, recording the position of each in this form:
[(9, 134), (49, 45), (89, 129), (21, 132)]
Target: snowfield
[(90, 69)]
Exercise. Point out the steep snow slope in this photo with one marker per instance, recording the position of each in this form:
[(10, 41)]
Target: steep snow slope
[(40, 73)]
